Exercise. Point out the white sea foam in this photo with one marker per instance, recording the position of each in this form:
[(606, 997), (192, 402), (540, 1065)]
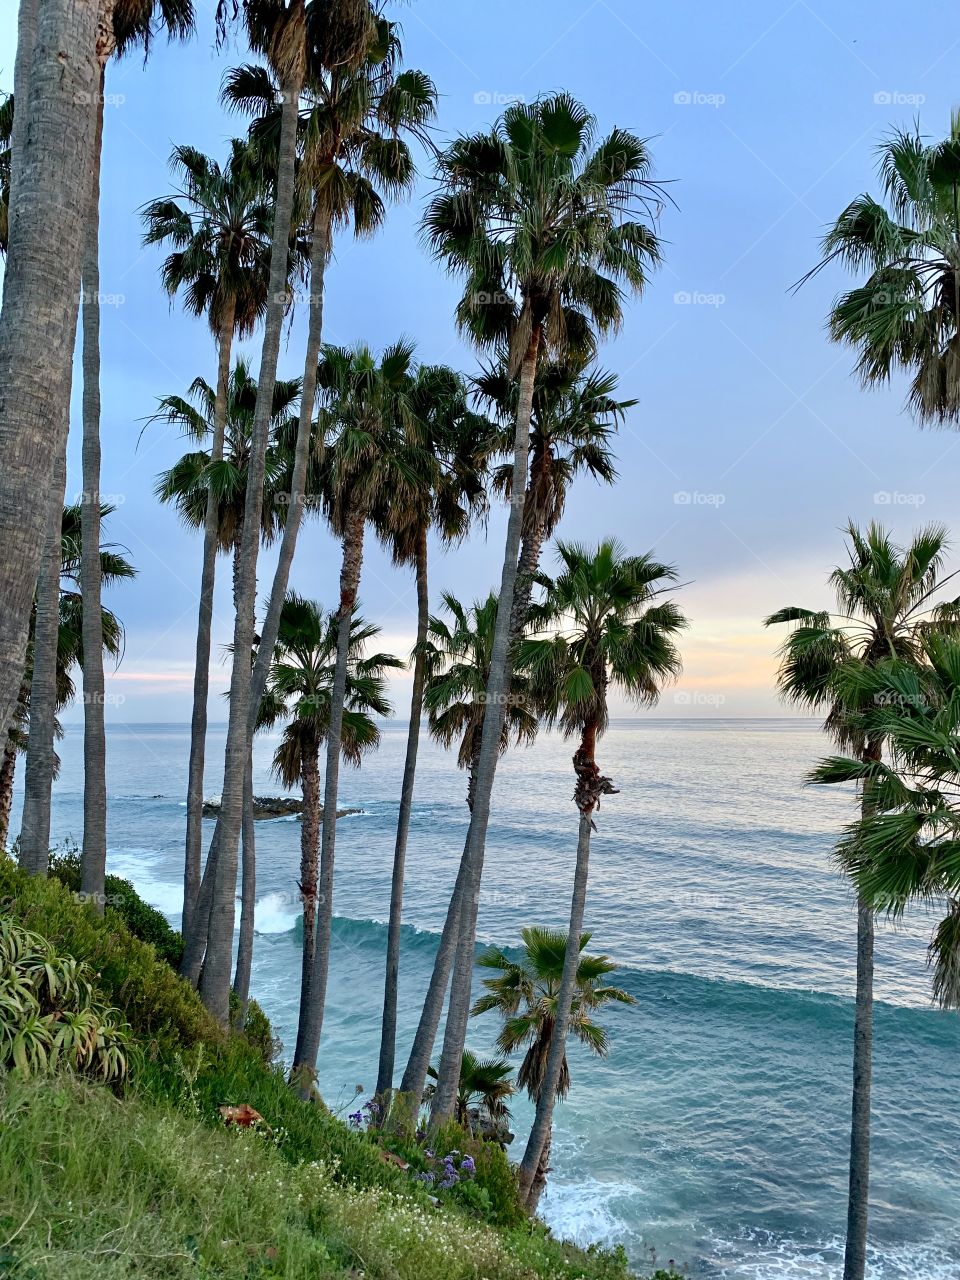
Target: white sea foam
[(584, 1211), (765, 1257), (276, 913), (139, 866)]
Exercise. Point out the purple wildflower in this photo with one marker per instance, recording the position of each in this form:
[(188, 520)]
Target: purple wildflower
[(468, 1166)]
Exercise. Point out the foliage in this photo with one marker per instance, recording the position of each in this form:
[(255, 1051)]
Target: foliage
[(50, 1015), (144, 922), (524, 992), (162, 1009), (904, 316)]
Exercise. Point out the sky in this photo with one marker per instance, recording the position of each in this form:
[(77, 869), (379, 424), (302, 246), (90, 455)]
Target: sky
[(751, 444)]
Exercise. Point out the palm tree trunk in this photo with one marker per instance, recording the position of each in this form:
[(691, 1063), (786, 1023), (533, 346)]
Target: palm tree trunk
[(248, 899), (93, 862), (41, 754), (415, 1076), (309, 854), (201, 673), (26, 39), (8, 769), (319, 256), (39, 316), (539, 1184), (311, 1016), (388, 1035), (498, 685), (215, 978)]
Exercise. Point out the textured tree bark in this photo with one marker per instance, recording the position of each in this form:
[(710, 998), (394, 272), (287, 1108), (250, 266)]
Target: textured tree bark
[(539, 1184), (201, 674), (215, 977), (41, 753), (498, 686), (40, 303), (8, 769), (388, 1034), (248, 899), (309, 855), (310, 1026), (26, 40), (855, 1255), (93, 862)]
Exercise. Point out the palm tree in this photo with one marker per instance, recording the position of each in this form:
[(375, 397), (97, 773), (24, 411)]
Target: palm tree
[(545, 230), (903, 851), (25, 737), (528, 993), (575, 413), (200, 476), (885, 605), (128, 25), (601, 624), (219, 224), (52, 150), (300, 692), (458, 656), (452, 442), (284, 32), (906, 313), (484, 1082), (365, 415)]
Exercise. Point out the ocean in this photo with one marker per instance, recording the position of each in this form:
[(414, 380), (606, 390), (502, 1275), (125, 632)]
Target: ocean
[(715, 1133)]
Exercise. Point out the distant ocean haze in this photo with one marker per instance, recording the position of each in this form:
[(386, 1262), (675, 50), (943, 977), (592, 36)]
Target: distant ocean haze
[(716, 1132)]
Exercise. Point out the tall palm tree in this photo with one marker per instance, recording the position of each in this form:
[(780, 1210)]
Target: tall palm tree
[(457, 655), (601, 624), (453, 442), (285, 33), (905, 316), (219, 225), (68, 656), (528, 995), (485, 1082), (125, 25), (364, 418), (546, 230), (358, 112), (574, 416), (884, 606), (300, 692), (903, 852), (51, 154)]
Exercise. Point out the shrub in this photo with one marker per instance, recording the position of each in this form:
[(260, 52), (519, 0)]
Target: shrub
[(162, 1009), (49, 1014), (144, 922)]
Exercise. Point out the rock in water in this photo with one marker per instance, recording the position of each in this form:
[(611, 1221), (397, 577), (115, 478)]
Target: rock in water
[(266, 807)]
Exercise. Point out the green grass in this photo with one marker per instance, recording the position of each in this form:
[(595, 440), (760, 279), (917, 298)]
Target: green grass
[(151, 1184)]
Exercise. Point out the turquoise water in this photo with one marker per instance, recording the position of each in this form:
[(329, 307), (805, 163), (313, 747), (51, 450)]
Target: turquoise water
[(716, 1132)]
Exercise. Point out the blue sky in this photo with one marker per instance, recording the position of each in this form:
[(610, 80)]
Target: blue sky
[(751, 444)]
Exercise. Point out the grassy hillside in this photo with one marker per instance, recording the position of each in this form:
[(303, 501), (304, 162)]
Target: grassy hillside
[(146, 1181)]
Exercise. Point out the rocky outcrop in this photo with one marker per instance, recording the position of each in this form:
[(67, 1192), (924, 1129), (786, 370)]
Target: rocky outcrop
[(266, 807)]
